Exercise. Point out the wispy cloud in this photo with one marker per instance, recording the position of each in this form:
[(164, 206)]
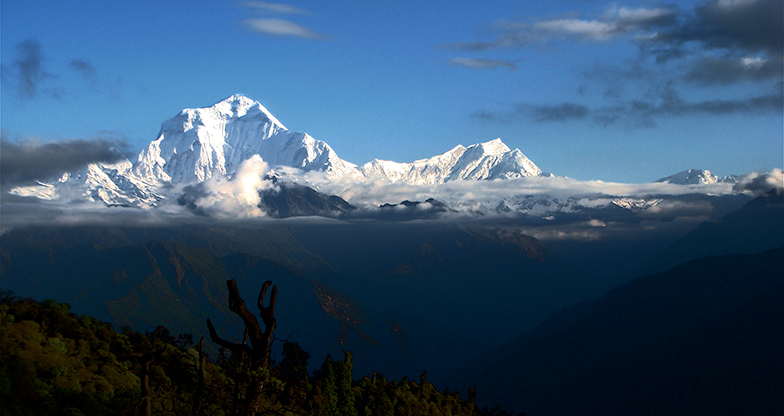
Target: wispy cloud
[(29, 77), (560, 112), (637, 113), (615, 22), (718, 44), (478, 63), (85, 69), (277, 27), (277, 8), (27, 74), (280, 27), (735, 29)]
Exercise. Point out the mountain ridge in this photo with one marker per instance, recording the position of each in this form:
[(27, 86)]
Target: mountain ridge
[(215, 143), (697, 177), (198, 144)]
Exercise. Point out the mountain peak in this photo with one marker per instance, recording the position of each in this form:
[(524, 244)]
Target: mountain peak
[(493, 147), (696, 177), (237, 106), (200, 143)]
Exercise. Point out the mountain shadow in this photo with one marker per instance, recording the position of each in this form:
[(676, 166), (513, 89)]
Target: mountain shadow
[(705, 338), (757, 226)]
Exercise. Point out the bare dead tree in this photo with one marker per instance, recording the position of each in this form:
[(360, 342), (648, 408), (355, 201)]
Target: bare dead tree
[(259, 350)]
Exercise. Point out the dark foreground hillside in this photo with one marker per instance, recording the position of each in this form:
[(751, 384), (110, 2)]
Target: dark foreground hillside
[(705, 338), (53, 362)]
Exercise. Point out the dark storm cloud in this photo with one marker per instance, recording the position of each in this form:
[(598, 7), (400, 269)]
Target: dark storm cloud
[(748, 25), (26, 73), (476, 63), (23, 162), (560, 112), (540, 113), (638, 113), (725, 71)]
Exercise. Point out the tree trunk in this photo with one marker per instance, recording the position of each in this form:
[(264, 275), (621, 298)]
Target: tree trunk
[(258, 352)]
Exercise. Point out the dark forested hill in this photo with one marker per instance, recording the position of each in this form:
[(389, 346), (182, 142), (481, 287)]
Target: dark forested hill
[(757, 226), (705, 338), (403, 297), (53, 362)]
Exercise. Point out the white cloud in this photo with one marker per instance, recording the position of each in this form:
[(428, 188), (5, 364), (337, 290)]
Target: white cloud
[(597, 223), (280, 27), (583, 29), (464, 195), (640, 15), (615, 22), (757, 183), (729, 4), (237, 197), (277, 8)]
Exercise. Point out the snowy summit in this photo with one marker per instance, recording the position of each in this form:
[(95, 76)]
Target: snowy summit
[(696, 177), (197, 144), (490, 160)]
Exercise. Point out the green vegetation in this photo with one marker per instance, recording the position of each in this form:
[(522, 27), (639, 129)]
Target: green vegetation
[(53, 362)]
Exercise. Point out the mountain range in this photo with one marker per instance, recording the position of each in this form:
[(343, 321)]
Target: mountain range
[(214, 144), (697, 331), (203, 143)]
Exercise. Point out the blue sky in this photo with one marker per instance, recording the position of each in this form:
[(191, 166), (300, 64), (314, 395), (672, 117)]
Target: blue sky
[(618, 91)]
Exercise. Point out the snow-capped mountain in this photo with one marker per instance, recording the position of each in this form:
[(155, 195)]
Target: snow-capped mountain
[(490, 160), (114, 184), (212, 146), (697, 177), (200, 143), (542, 205)]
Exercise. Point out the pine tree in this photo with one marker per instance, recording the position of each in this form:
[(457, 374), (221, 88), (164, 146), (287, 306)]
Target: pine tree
[(346, 405)]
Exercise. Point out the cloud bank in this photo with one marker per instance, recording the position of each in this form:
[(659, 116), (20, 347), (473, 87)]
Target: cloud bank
[(24, 162)]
